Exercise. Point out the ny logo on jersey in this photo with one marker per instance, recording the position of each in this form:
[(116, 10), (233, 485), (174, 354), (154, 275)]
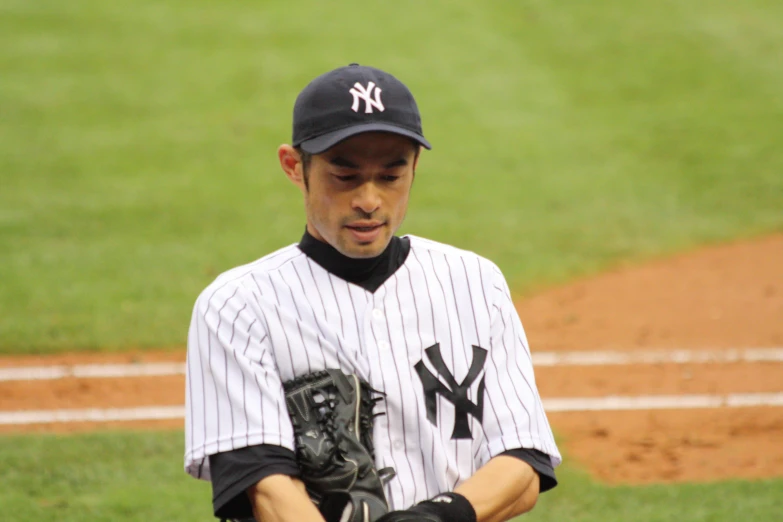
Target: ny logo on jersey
[(360, 93), (456, 394)]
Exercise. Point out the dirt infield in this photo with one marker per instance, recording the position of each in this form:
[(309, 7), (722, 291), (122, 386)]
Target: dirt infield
[(729, 296)]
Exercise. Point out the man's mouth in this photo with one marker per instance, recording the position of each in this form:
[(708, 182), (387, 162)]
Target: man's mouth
[(365, 228), (365, 232)]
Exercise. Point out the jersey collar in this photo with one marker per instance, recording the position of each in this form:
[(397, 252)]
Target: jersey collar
[(370, 273)]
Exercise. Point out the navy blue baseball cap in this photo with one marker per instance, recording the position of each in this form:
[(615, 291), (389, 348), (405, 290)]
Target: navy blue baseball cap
[(350, 100)]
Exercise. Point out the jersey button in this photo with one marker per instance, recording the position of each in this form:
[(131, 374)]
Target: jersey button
[(377, 313), (383, 345), (398, 445)]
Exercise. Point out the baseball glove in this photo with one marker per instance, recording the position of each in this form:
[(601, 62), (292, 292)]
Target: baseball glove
[(332, 415)]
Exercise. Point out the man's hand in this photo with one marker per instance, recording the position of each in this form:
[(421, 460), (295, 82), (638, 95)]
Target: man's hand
[(447, 507), (408, 516), (504, 488)]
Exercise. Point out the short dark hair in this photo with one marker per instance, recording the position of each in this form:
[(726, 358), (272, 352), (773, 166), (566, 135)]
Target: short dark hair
[(306, 158)]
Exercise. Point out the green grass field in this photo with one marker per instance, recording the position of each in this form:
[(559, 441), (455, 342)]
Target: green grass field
[(137, 162), (138, 477), (137, 141)]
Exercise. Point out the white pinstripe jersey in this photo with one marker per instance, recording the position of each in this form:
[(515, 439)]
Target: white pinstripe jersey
[(284, 316)]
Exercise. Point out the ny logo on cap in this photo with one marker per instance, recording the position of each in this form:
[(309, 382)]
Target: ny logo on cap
[(359, 92)]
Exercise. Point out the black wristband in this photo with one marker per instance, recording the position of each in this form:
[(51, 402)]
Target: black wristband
[(449, 507)]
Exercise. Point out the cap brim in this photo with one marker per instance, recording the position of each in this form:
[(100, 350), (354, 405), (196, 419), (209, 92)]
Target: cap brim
[(327, 141)]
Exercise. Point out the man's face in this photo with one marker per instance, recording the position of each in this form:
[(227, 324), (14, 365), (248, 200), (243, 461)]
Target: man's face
[(357, 192)]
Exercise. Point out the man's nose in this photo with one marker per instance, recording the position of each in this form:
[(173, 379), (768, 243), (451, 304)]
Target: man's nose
[(367, 198)]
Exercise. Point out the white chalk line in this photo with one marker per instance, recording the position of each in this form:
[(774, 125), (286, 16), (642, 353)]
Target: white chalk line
[(86, 371), (555, 405), (663, 402), (658, 357), (91, 415), (540, 359)]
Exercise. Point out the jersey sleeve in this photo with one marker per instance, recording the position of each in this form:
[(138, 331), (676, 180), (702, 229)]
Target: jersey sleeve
[(514, 415), (234, 396)]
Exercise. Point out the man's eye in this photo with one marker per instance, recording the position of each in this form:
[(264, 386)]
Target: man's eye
[(390, 178), (346, 178)]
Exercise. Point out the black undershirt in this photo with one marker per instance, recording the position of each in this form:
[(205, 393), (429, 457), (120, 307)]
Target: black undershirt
[(370, 273), (232, 472)]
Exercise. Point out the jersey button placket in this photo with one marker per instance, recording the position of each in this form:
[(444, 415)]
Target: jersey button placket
[(379, 328), (378, 333), (376, 341)]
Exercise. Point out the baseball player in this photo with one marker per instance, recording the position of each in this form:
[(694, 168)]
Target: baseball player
[(418, 341)]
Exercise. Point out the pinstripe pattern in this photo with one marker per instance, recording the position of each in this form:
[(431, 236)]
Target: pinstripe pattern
[(285, 316)]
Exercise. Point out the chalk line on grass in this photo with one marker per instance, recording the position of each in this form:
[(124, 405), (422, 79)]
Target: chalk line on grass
[(540, 359), (613, 403)]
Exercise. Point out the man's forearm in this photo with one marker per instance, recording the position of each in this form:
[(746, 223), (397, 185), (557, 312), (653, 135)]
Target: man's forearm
[(501, 489), (280, 498)]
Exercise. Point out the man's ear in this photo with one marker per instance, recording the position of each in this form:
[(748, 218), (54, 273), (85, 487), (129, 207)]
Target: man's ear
[(291, 163)]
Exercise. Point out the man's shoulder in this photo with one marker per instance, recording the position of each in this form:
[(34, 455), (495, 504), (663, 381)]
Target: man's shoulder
[(233, 279), (426, 246)]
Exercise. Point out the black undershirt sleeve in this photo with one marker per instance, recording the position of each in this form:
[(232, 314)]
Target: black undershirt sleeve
[(232, 472), (540, 462)]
